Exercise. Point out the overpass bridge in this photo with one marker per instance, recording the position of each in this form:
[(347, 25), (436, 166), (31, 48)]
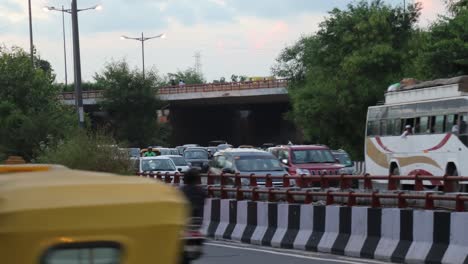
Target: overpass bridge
[(212, 93), (242, 112)]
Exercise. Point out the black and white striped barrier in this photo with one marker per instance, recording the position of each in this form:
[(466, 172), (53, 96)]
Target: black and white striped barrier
[(390, 234), (359, 168)]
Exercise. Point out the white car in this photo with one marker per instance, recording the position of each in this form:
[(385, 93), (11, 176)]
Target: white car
[(161, 164), (179, 161)]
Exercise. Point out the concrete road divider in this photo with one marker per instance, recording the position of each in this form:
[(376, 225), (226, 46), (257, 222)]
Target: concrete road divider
[(391, 234)]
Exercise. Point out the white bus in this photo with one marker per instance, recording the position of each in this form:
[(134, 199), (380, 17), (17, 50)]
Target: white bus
[(435, 116)]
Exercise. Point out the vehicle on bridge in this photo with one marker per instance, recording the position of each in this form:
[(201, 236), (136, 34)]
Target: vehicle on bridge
[(159, 164), (51, 215), (197, 157), (245, 162), (307, 160), (181, 164), (345, 160), (420, 129)]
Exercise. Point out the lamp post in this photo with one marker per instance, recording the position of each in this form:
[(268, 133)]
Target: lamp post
[(31, 45), (142, 39), (63, 11), (76, 55)]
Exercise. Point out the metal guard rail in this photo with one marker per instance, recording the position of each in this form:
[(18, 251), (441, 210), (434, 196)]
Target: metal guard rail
[(351, 196), (303, 181), (193, 88), (329, 195)]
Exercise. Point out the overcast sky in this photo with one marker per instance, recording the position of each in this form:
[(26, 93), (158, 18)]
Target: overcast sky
[(234, 36)]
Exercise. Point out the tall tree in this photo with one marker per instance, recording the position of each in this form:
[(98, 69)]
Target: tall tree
[(132, 103), (445, 49), (345, 67), (30, 112)]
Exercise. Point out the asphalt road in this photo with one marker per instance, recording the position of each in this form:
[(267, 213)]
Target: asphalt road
[(236, 253)]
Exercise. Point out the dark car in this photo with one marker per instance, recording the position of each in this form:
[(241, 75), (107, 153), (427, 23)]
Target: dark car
[(247, 161), (197, 157), (345, 160)]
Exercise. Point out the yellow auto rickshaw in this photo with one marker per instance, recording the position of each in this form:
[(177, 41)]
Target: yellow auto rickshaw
[(52, 215)]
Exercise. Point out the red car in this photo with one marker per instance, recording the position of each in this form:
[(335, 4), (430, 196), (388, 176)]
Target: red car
[(308, 160)]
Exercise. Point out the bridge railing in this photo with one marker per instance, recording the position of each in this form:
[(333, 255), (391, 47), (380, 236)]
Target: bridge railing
[(193, 88), (92, 94), (217, 87), (265, 187)]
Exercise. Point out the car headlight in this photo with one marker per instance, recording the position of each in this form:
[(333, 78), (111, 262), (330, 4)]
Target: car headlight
[(343, 171), (302, 172)]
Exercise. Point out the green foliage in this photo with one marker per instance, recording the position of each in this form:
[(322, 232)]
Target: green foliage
[(445, 49), (86, 86), (93, 152), (131, 102), (345, 67), (189, 76), (30, 112)]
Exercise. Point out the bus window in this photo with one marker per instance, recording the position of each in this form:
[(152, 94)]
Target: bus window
[(417, 126), (438, 125), (397, 130), (423, 124), (463, 123), (450, 122), (383, 127), (390, 127), (402, 126), (369, 128), (373, 128), (408, 122)]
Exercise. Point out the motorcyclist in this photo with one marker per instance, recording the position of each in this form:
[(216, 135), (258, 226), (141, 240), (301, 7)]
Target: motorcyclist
[(194, 193), (196, 196)]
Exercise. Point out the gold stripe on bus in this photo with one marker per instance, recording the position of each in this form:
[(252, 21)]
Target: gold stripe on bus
[(375, 154), (380, 158), (417, 159)]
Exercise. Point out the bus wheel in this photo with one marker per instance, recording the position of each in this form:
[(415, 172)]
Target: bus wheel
[(452, 171), (396, 171)]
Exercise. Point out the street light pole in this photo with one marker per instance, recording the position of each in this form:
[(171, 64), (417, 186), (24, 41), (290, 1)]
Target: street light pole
[(31, 45), (77, 63), (64, 46), (142, 39), (69, 11), (143, 53)]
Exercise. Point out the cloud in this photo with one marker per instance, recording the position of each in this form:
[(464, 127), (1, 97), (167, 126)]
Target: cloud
[(234, 36)]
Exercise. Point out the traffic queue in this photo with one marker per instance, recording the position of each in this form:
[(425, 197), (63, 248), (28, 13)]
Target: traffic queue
[(269, 159)]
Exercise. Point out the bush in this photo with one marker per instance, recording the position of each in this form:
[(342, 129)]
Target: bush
[(85, 151)]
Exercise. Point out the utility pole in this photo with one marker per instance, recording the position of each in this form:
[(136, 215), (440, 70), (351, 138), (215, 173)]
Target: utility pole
[(404, 10), (64, 46), (77, 63), (143, 53), (31, 45)]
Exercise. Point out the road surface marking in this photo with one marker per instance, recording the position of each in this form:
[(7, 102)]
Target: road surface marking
[(339, 260)]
